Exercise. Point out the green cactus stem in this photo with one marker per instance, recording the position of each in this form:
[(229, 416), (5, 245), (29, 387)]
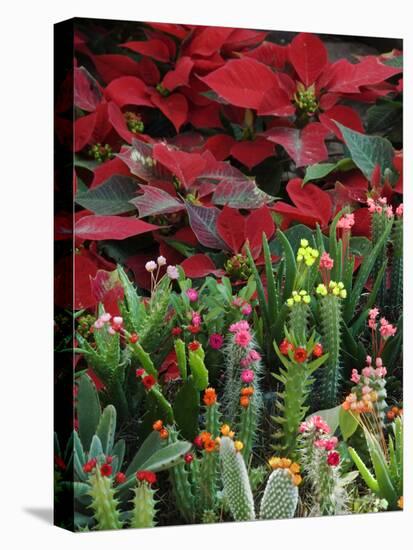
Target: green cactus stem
[(181, 358), (396, 278), (143, 513), (379, 223), (280, 496), (298, 321), (104, 504), (208, 471), (182, 487), (331, 321), (235, 480)]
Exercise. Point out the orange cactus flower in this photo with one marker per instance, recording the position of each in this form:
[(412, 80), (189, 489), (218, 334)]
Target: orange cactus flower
[(158, 425), (244, 401), (209, 445), (248, 391), (210, 397), (163, 434), (205, 436)]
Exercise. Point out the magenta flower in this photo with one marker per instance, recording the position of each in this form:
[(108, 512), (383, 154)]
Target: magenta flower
[(196, 319), (216, 341), (355, 377), (192, 294), (246, 309), (243, 338), (247, 376), (241, 325)]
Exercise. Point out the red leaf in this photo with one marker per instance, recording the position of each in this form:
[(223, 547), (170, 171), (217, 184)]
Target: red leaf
[(231, 227), (207, 40), (207, 116), (203, 222), (117, 120), (270, 54), (83, 131), (219, 145), (170, 28), (248, 83), (304, 146), (128, 90), (155, 201), (111, 66), (174, 107), (312, 204), (362, 223), (344, 115), (308, 56), (178, 76), (185, 166), (106, 288), (251, 153), (111, 227), (85, 268), (344, 77), (109, 168), (152, 48), (243, 38), (86, 93), (198, 265), (258, 222)]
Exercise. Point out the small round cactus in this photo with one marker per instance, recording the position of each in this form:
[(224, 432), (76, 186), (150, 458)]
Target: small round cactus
[(280, 496)]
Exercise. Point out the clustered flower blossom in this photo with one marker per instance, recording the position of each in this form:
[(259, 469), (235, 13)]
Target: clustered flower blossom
[(242, 333), (206, 442), (315, 433), (245, 396), (105, 468), (346, 222), (380, 336), (244, 306), (325, 266), (369, 386), (158, 426), (113, 324), (298, 297), (293, 468), (399, 211), (380, 206), (247, 376), (336, 289), (299, 354), (148, 380), (306, 254)]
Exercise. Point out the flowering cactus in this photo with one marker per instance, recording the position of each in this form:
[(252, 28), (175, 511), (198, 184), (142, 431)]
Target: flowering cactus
[(143, 513), (321, 465), (237, 489), (104, 504), (280, 496)]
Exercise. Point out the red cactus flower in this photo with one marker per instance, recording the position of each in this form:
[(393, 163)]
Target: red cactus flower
[(89, 466), (133, 338), (148, 381), (139, 372), (193, 329), (176, 331), (120, 478), (193, 346), (300, 355), (188, 458), (198, 442), (146, 475), (285, 346), (318, 350), (106, 470), (333, 458)]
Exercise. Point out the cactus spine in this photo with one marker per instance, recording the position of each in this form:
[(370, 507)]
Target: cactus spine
[(104, 504), (280, 496), (143, 513), (235, 480)]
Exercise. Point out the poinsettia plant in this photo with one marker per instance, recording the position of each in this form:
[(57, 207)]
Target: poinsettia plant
[(188, 140)]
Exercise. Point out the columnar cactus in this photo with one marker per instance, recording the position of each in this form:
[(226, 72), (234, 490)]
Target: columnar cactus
[(104, 504), (237, 489), (180, 477), (396, 279), (382, 216), (208, 474), (143, 513), (299, 314), (331, 327), (280, 496)]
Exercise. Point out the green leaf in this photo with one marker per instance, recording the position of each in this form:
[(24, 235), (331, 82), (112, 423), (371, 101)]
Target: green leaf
[(290, 265), (360, 246), (88, 410), (383, 116), (167, 456), (186, 409), (150, 446), (367, 476), (96, 448), (110, 197), (368, 151), (348, 423), (320, 171), (106, 429), (394, 62), (198, 370)]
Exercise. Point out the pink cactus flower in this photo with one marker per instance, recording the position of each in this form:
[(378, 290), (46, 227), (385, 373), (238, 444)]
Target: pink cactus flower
[(355, 377), (192, 294), (241, 325), (326, 261), (246, 309), (216, 341), (247, 376), (243, 338)]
